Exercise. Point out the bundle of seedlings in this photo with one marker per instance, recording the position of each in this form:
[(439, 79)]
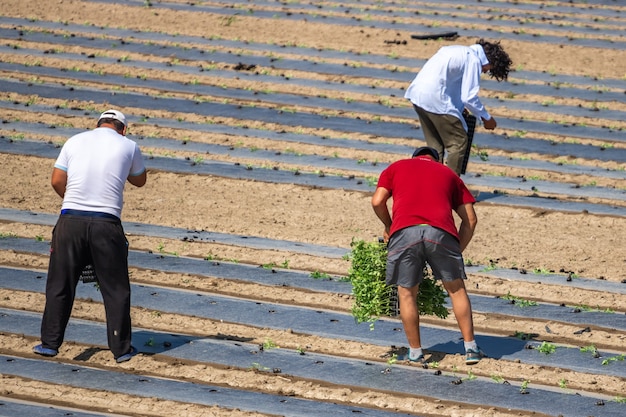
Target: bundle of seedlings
[(373, 298)]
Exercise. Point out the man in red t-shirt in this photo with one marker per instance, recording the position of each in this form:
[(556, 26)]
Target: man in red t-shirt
[(422, 229)]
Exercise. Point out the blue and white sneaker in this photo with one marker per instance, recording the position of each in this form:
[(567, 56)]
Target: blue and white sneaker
[(419, 359), (44, 351), (127, 356), (473, 356)]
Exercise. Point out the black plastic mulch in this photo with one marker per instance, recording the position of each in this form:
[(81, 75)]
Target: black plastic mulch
[(463, 25)]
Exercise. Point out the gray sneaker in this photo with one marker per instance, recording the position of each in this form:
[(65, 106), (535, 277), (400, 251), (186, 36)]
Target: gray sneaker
[(473, 356), (419, 359)]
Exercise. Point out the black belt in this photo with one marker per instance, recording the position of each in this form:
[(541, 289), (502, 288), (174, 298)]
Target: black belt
[(72, 212)]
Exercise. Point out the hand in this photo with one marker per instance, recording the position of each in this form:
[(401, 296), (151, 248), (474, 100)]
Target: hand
[(386, 235), (489, 124)]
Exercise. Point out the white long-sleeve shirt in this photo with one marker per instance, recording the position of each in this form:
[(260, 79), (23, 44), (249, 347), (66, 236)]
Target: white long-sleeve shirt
[(450, 82)]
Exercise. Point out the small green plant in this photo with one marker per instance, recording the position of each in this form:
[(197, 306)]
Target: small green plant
[(268, 344), (525, 336), (616, 358), (490, 267), (371, 180), (149, 342), (523, 389), (300, 350), (392, 360), (161, 249), (258, 367), (285, 264), (620, 399), (597, 309), (39, 238), (319, 275), (372, 296), (497, 378), (518, 301), (470, 376), (433, 364), (591, 349), (563, 383), (546, 348), (483, 155)]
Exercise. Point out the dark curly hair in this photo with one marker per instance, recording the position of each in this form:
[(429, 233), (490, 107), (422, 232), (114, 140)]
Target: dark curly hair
[(498, 58)]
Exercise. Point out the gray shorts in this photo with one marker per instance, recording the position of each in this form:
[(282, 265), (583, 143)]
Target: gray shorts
[(409, 249)]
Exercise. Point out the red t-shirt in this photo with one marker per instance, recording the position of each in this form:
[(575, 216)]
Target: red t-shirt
[(424, 192)]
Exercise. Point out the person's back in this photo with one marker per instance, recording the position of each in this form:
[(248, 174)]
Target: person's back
[(98, 164), (424, 192), (437, 86)]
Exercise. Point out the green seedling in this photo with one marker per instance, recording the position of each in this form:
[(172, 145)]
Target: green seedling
[(597, 309), (319, 275), (470, 376), (149, 342), (490, 267), (269, 344), (161, 249), (547, 348), (525, 336), (371, 181), (498, 379), (392, 360), (518, 301), (591, 349), (607, 361), (258, 367), (523, 389)]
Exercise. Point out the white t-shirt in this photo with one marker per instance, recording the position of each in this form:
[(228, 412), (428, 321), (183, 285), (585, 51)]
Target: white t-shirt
[(449, 82), (98, 163)]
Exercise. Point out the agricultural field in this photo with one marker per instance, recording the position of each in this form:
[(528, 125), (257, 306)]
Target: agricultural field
[(264, 125)]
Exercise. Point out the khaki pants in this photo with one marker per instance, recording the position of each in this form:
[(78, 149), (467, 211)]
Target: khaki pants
[(444, 132)]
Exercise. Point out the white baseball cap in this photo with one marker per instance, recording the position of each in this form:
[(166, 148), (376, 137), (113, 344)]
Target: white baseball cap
[(113, 114)]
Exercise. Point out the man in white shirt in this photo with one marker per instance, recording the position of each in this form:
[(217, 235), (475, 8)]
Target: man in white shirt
[(447, 85), (89, 175)]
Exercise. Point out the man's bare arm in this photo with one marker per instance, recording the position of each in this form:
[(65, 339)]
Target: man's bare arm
[(59, 181), (468, 224), (138, 180), (379, 204)]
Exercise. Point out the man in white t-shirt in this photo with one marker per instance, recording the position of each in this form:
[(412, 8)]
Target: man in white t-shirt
[(447, 85), (90, 174)]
